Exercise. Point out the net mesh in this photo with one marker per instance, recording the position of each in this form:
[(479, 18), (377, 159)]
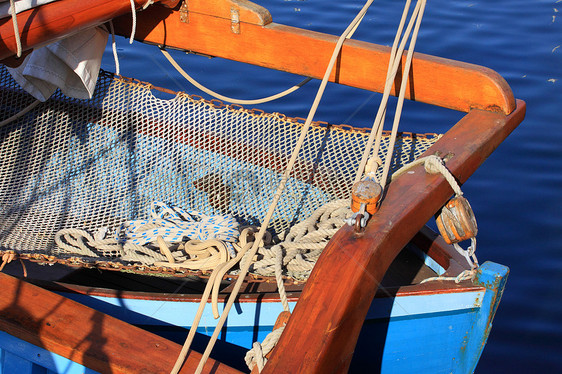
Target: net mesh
[(95, 163)]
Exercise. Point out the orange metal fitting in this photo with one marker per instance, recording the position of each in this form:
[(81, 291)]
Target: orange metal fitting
[(456, 221), (366, 192)]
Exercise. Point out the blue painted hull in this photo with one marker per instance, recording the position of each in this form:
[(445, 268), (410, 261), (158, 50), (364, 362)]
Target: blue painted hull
[(431, 332)]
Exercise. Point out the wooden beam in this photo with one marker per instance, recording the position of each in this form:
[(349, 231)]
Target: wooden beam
[(86, 336), (323, 329), (56, 20), (433, 80)]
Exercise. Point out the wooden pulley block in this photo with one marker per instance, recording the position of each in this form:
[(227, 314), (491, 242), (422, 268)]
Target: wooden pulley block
[(366, 192), (456, 221)]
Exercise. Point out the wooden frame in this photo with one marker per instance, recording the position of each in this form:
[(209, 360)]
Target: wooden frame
[(56, 20), (205, 27), (86, 336), (338, 293), (337, 296)]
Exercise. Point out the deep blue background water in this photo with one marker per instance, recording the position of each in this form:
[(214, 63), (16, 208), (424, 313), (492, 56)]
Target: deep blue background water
[(515, 194)]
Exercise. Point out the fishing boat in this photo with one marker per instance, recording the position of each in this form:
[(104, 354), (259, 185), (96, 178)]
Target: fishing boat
[(86, 181)]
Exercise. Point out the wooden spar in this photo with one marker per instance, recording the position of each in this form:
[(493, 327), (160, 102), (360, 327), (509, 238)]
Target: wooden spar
[(211, 28), (47, 23), (323, 329), (88, 337), (242, 31)]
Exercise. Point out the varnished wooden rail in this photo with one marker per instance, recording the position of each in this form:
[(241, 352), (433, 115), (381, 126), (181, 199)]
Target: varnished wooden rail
[(323, 330), (206, 26), (44, 24), (86, 336), (243, 31)]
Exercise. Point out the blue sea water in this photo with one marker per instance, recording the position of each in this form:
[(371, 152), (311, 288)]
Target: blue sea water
[(515, 194)]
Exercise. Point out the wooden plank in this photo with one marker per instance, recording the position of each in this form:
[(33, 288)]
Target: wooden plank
[(433, 80), (86, 336), (338, 293), (42, 25)]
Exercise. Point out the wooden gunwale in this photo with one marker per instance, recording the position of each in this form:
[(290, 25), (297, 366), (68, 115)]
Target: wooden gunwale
[(86, 336), (270, 297), (56, 20), (434, 80), (333, 309)]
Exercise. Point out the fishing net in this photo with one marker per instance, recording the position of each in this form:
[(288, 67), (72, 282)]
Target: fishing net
[(95, 164)]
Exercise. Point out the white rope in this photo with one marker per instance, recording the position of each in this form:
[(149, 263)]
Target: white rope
[(394, 64), (256, 355), (433, 165), (211, 241), (470, 255), (114, 48), (417, 15), (16, 28), (214, 94), (212, 288), (174, 224), (281, 187), (20, 114), (302, 246), (134, 21), (279, 279), (376, 131)]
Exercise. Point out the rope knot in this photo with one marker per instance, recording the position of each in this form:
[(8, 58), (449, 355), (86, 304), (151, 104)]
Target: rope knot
[(433, 165), (256, 355)]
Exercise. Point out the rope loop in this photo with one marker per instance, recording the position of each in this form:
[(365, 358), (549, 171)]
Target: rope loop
[(469, 254), (434, 164), (256, 355)]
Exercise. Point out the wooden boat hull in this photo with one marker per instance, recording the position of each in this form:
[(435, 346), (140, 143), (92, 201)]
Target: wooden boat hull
[(431, 331), (431, 328)]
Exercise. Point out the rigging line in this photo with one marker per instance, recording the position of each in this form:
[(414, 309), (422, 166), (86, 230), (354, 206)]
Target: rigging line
[(397, 50), (208, 91), (398, 113), (16, 28), (114, 48), (392, 70), (133, 22), (20, 113), (244, 269)]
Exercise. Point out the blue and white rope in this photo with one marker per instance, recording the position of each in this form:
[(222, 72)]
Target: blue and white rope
[(173, 224), (176, 225)]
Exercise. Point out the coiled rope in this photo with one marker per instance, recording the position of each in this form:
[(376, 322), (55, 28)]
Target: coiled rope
[(256, 355), (211, 238)]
